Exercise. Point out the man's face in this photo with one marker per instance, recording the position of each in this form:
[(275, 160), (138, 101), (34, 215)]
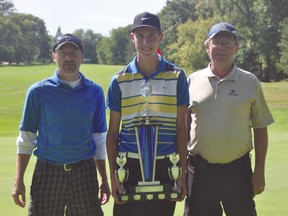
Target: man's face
[(222, 48), (68, 58), (146, 40)]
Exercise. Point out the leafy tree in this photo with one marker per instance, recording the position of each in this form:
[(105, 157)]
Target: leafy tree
[(175, 12), (119, 41), (103, 50), (34, 42), (116, 49), (6, 7), (256, 21), (90, 41), (9, 37), (45, 47), (269, 15), (189, 51), (283, 47)]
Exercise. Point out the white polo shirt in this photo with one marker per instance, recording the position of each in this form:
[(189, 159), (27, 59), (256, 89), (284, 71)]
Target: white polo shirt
[(223, 112)]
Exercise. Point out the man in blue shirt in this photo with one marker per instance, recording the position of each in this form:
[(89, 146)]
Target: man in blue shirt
[(64, 120), (168, 102)]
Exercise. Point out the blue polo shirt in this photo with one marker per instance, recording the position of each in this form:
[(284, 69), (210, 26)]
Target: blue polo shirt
[(64, 119)]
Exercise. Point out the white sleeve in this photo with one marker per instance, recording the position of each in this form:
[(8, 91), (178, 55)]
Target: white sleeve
[(100, 140), (26, 142)]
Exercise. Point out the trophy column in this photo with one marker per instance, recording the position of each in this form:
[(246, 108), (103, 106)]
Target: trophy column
[(147, 139)]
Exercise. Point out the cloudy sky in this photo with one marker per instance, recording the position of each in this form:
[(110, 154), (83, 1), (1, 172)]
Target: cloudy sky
[(101, 16)]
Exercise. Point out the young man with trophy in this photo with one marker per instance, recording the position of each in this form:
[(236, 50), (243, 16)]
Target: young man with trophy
[(147, 136)]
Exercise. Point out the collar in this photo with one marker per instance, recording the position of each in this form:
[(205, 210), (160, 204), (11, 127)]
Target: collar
[(232, 75), (56, 79), (133, 66)]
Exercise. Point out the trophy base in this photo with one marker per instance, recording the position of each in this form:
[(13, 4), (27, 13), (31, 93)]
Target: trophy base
[(149, 192)]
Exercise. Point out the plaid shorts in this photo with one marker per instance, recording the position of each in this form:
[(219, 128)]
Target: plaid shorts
[(57, 192)]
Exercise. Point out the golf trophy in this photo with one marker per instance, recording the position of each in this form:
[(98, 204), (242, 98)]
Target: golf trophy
[(147, 138), (121, 174)]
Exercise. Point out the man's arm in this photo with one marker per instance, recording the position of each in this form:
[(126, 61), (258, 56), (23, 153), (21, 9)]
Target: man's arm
[(25, 144), (100, 156), (104, 189), (112, 143), (22, 161), (261, 145), (181, 142)]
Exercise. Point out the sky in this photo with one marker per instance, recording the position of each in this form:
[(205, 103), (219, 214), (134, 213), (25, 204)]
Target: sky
[(101, 16)]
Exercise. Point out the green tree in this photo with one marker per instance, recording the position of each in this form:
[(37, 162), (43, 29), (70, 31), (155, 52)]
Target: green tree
[(256, 21), (269, 15), (120, 40), (103, 50), (34, 42), (6, 7), (90, 41), (9, 39), (189, 51), (283, 47), (175, 12)]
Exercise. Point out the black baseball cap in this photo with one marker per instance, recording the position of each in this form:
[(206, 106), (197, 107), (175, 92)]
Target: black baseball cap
[(146, 19), (222, 26), (67, 38)]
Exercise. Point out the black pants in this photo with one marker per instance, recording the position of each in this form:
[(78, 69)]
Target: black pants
[(146, 208), (212, 188)]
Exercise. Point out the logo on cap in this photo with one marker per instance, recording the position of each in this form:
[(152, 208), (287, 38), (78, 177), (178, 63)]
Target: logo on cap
[(145, 18)]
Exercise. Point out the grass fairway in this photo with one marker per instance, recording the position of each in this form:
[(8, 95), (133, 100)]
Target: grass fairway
[(14, 81)]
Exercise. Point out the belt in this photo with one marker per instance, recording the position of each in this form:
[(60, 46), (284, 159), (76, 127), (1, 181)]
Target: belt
[(136, 155), (66, 167), (198, 162), (231, 164)]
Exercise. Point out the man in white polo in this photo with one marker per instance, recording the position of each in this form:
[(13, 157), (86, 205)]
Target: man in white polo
[(225, 103)]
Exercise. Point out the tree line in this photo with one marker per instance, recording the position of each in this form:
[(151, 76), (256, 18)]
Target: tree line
[(262, 26)]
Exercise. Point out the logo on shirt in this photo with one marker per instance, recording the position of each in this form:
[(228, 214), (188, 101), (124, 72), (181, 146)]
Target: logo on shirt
[(232, 92)]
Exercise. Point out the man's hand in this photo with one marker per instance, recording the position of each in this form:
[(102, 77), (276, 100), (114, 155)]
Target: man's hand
[(18, 193), (182, 186), (104, 191), (117, 188), (258, 182)]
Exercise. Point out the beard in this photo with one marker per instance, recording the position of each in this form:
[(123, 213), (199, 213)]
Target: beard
[(69, 66)]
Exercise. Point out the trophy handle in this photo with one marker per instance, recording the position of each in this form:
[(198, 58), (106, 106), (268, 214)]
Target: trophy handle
[(169, 171), (180, 170), (127, 175)]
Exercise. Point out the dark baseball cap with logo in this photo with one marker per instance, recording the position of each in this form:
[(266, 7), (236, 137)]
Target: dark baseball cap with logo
[(67, 38), (146, 19), (220, 27)]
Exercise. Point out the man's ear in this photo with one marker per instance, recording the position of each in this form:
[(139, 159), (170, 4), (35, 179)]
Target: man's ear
[(207, 48), (161, 36), (132, 37), (53, 57)]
